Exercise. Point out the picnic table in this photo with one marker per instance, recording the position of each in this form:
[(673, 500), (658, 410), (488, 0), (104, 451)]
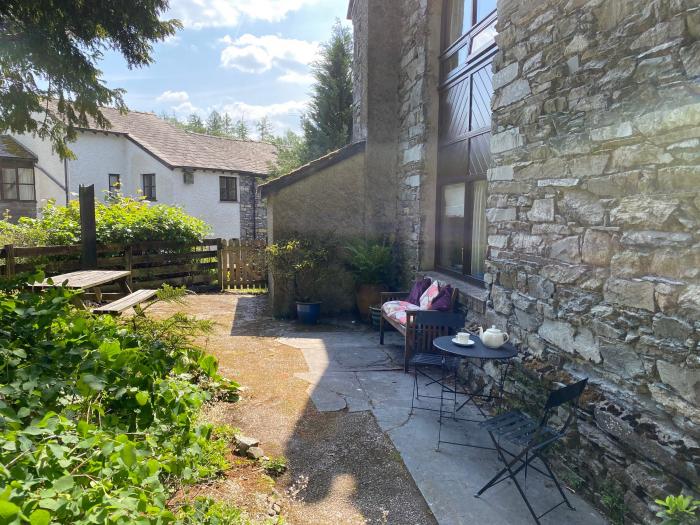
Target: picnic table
[(92, 280)]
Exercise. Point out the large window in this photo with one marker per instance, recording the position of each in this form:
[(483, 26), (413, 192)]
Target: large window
[(228, 190), (464, 135), (17, 183), (149, 186), (115, 184)]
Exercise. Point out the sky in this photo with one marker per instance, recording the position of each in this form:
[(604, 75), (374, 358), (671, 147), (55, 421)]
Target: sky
[(248, 58)]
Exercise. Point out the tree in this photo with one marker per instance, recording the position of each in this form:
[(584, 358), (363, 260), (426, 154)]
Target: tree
[(240, 130), (195, 124), (264, 128), (291, 153), (227, 125), (215, 124), (328, 123), (49, 51)]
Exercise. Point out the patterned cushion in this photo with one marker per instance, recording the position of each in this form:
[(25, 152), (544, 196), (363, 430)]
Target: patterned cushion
[(428, 296), (397, 310)]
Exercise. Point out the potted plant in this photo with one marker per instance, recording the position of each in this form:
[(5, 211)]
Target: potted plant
[(370, 262), (298, 265)]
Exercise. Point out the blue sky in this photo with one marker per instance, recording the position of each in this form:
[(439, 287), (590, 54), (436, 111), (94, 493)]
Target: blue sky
[(248, 58)]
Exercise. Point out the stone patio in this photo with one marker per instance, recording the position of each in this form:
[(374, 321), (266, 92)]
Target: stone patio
[(349, 370)]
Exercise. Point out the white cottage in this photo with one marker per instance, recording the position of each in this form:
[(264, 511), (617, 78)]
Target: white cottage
[(213, 178)]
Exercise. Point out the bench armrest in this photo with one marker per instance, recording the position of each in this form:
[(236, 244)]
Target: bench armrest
[(392, 296)]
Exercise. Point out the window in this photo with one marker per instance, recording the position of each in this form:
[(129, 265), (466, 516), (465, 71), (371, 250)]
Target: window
[(464, 133), (115, 184), (17, 184), (149, 186), (228, 189)]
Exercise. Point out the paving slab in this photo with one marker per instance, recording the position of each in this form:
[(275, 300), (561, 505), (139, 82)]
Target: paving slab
[(349, 370)]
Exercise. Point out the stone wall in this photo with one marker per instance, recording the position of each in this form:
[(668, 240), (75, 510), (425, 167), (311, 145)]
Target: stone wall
[(594, 228), (358, 12), (253, 210)]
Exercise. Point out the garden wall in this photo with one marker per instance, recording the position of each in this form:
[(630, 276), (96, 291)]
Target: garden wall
[(594, 233)]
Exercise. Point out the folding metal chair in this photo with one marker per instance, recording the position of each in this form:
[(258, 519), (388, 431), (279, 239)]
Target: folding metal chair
[(533, 438), (428, 326)]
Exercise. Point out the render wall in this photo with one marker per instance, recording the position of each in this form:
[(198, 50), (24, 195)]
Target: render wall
[(594, 234)]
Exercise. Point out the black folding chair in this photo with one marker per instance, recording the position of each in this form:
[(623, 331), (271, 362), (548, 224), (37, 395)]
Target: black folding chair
[(429, 325), (533, 438)]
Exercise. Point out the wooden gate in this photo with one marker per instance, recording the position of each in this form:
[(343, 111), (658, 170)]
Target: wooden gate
[(242, 264)]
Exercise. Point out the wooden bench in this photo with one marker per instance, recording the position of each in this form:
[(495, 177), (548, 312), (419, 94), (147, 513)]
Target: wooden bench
[(118, 306), (409, 329)]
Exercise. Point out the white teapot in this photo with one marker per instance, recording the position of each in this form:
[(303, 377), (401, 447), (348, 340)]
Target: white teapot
[(492, 337)]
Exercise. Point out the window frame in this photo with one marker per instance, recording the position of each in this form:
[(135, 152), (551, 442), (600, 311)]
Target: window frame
[(110, 187), (152, 197), (16, 165), (224, 180), (463, 72)]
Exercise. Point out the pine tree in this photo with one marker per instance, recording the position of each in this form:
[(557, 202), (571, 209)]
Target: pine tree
[(215, 124), (241, 130), (194, 123), (328, 124), (227, 125), (264, 128), (291, 153)]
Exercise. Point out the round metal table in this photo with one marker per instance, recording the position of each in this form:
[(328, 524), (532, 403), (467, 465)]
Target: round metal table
[(475, 351)]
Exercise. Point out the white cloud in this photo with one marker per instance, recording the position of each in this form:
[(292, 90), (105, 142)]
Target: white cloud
[(172, 40), (294, 77), (173, 97), (256, 54), (253, 112), (197, 14)]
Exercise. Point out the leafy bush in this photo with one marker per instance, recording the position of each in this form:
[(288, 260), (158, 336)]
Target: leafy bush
[(299, 263), (98, 416), (121, 220), (370, 262), (678, 510)]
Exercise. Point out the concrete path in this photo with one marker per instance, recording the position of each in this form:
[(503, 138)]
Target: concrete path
[(349, 370)]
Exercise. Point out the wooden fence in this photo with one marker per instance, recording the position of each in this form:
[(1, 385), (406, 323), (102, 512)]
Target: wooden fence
[(230, 264)]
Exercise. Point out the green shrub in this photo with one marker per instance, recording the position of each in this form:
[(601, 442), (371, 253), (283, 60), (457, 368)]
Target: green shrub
[(370, 262), (678, 510), (300, 264), (99, 416), (121, 220)]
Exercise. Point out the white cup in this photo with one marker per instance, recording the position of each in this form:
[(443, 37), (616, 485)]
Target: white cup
[(463, 338)]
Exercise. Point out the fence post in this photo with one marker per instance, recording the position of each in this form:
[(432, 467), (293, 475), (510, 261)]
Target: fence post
[(9, 260), (88, 235), (220, 262), (128, 264)]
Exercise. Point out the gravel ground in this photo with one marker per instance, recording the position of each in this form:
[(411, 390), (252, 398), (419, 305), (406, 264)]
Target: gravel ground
[(342, 468)]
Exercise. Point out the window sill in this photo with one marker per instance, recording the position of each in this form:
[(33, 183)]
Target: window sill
[(228, 202)]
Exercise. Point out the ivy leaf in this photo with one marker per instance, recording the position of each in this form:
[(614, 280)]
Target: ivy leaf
[(8, 510), (142, 397), (40, 517), (63, 484)]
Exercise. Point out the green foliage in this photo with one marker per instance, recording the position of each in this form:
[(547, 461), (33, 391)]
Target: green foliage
[(98, 416), (328, 123), (206, 511), (678, 510), (264, 129), (291, 153), (49, 80), (370, 262), (219, 125), (613, 500), (275, 466), (120, 220), (299, 263)]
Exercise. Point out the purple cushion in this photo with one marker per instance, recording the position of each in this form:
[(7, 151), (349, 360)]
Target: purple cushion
[(443, 301), (420, 286)]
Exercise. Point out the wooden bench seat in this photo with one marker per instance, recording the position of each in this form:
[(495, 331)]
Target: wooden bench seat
[(118, 306)]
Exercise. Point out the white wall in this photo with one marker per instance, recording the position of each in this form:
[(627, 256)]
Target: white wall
[(49, 162)]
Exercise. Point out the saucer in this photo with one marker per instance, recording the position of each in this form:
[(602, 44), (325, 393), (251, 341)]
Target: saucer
[(470, 343)]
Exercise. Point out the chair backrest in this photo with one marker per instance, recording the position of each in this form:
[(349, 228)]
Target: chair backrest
[(569, 394), (430, 324)]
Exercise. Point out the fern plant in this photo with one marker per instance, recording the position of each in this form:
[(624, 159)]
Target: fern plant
[(370, 262)]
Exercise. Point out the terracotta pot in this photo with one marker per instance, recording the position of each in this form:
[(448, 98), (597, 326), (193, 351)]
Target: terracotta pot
[(367, 295)]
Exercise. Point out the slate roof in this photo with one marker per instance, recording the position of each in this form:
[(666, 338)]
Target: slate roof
[(178, 148), (276, 184), (11, 149)]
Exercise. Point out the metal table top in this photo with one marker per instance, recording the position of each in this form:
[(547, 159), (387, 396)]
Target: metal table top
[(477, 350)]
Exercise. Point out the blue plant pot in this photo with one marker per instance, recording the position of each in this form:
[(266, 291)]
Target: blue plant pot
[(308, 313)]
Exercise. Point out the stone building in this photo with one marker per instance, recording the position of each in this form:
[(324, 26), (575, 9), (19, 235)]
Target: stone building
[(545, 157)]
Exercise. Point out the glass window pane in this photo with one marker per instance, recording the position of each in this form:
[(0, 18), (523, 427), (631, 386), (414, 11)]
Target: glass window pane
[(484, 8), (9, 183), (484, 37), (26, 192), (479, 229), (26, 175), (459, 19), (451, 238)]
